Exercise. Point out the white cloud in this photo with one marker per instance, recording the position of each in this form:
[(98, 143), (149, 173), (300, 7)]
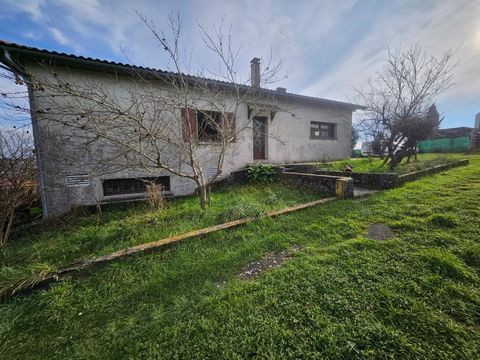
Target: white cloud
[(436, 26), (301, 34), (31, 35), (32, 8), (59, 36)]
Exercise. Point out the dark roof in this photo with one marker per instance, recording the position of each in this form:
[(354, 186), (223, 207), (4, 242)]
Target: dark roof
[(20, 53)]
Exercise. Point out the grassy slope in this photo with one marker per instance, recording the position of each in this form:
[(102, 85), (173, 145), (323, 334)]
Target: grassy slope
[(79, 237), (375, 164), (414, 296)]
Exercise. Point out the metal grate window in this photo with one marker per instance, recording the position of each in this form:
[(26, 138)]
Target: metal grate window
[(322, 130), (132, 185), (77, 180)]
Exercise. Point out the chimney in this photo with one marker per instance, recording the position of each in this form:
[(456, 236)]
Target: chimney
[(282, 90), (255, 72)]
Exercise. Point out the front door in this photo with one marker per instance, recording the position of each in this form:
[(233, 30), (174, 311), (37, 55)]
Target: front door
[(259, 138)]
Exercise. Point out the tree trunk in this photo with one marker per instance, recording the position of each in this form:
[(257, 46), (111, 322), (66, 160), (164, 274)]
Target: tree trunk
[(209, 195), (5, 233), (202, 194)]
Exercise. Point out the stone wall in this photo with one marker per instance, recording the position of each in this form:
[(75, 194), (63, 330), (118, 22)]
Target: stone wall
[(365, 180), (376, 180), (402, 179), (323, 184)]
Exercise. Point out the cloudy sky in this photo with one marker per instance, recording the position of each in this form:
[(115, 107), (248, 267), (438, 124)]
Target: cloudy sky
[(328, 47)]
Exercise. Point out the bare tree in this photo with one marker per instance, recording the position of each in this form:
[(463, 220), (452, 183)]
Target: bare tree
[(17, 177), (159, 121), (399, 96)]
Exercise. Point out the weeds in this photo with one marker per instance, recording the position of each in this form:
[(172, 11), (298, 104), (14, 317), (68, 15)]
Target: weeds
[(155, 196), (413, 296)]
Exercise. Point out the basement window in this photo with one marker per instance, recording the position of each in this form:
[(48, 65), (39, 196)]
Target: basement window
[(323, 130), (209, 125), (132, 185)]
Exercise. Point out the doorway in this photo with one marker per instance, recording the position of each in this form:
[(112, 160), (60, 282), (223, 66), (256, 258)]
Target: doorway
[(259, 138)]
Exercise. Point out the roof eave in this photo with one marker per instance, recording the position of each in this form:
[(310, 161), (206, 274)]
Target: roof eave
[(32, 54)]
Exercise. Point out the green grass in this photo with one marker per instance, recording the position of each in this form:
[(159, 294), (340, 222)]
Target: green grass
[(414, 296), (376, 164), (76, 237)]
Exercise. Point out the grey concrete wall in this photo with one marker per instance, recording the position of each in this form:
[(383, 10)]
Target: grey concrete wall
[(323, 184), (288, 141)]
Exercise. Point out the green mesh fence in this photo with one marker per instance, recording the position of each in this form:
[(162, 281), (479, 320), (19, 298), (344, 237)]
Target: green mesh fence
[(459, 144)]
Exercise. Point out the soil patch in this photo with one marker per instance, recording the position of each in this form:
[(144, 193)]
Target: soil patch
[(379, 232), (271, 261)]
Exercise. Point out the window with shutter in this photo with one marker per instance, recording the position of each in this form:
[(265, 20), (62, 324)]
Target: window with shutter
[(207, 126), (189, 124)]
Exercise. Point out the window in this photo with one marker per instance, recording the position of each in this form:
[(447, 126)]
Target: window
[(132, 185), (209, 125), (321, 130)]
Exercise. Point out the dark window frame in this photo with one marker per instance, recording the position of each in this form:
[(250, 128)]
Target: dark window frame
[(206, 131), (131, 186), (328, 133)]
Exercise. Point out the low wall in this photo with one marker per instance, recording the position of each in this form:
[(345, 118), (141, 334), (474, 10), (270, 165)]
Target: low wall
[(402, 179), (335, 183), (324, 184), (365, 180), (376, 180)]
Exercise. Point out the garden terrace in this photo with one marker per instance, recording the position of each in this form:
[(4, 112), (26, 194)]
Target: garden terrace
[(372, 174), (79, 236), (411, 294)]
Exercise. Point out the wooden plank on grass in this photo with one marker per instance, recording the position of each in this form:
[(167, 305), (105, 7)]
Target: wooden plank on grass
[(100, 260), (195, 233)]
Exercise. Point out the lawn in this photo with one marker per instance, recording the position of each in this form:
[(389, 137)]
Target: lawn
[(80, 236), (413, 296), (376, 164)]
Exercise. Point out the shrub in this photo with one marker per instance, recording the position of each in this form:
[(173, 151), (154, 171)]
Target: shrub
[(155, 197), (261, 173)]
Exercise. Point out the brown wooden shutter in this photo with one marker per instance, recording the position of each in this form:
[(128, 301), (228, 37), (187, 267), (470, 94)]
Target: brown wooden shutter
[(232, 130), (189, 124)]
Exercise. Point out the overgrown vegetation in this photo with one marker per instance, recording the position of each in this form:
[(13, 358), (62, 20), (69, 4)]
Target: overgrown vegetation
[(155, 197), (424, 161), (261, 173), (414, 296), (77, 237), (18, 186)]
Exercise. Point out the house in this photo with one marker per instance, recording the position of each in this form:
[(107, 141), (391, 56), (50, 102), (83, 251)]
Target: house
[(304, 128)]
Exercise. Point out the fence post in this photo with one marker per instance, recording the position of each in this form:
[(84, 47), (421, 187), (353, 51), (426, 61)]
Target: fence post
[(344, 188)]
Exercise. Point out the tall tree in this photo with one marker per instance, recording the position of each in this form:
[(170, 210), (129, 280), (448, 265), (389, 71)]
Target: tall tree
[(399, 97)]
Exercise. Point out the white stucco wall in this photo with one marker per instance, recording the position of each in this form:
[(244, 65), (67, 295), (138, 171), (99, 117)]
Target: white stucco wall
[(288, 141)]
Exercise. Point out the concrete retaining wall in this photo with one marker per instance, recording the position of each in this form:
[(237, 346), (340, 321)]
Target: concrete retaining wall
[(377, 180), (323, 184), (402, 179)]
